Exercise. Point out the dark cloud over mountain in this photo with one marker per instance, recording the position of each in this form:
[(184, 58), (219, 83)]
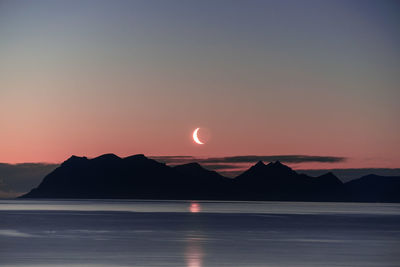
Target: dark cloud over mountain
[(249, 159)]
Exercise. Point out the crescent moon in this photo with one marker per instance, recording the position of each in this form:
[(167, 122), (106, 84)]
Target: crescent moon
[(196, 138)]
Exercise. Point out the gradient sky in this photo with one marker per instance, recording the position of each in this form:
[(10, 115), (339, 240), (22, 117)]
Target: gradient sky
[(261, 77)]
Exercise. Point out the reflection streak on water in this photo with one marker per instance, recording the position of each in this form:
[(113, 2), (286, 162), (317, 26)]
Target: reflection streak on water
[(194, 207), (194, 253)]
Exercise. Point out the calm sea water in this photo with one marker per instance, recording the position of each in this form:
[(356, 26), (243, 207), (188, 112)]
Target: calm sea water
[(197, 233)]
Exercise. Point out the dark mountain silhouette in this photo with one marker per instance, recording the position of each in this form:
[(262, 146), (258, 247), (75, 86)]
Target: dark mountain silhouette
[(109, 176), (206, 184), (276, 181), (138, 177), (374, 188)]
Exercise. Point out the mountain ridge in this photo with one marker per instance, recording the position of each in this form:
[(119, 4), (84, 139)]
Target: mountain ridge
[(139, 177)]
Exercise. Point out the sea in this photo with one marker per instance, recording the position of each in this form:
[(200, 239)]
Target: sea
[(97, 233)]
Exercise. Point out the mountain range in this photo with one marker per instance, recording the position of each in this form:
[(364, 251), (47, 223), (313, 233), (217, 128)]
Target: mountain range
[(138, 177)]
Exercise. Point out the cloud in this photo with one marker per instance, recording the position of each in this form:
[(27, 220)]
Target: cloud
[(216, 167), (175, 160), (282, 158)]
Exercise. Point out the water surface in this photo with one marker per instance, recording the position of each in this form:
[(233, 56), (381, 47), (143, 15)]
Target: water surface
[(197, 233)]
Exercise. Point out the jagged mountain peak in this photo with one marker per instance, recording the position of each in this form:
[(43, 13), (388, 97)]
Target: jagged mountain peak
[(74, 160)]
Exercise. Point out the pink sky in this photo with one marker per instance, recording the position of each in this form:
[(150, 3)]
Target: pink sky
[(270, 79)]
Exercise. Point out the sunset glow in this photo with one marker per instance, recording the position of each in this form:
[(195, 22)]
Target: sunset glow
[(312, 78)]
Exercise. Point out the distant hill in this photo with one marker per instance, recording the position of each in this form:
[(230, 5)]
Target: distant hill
[(374, 188), (138, 177), (276, 181), (16, 179)]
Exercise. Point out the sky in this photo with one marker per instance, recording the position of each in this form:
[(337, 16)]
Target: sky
[(260, 78)]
